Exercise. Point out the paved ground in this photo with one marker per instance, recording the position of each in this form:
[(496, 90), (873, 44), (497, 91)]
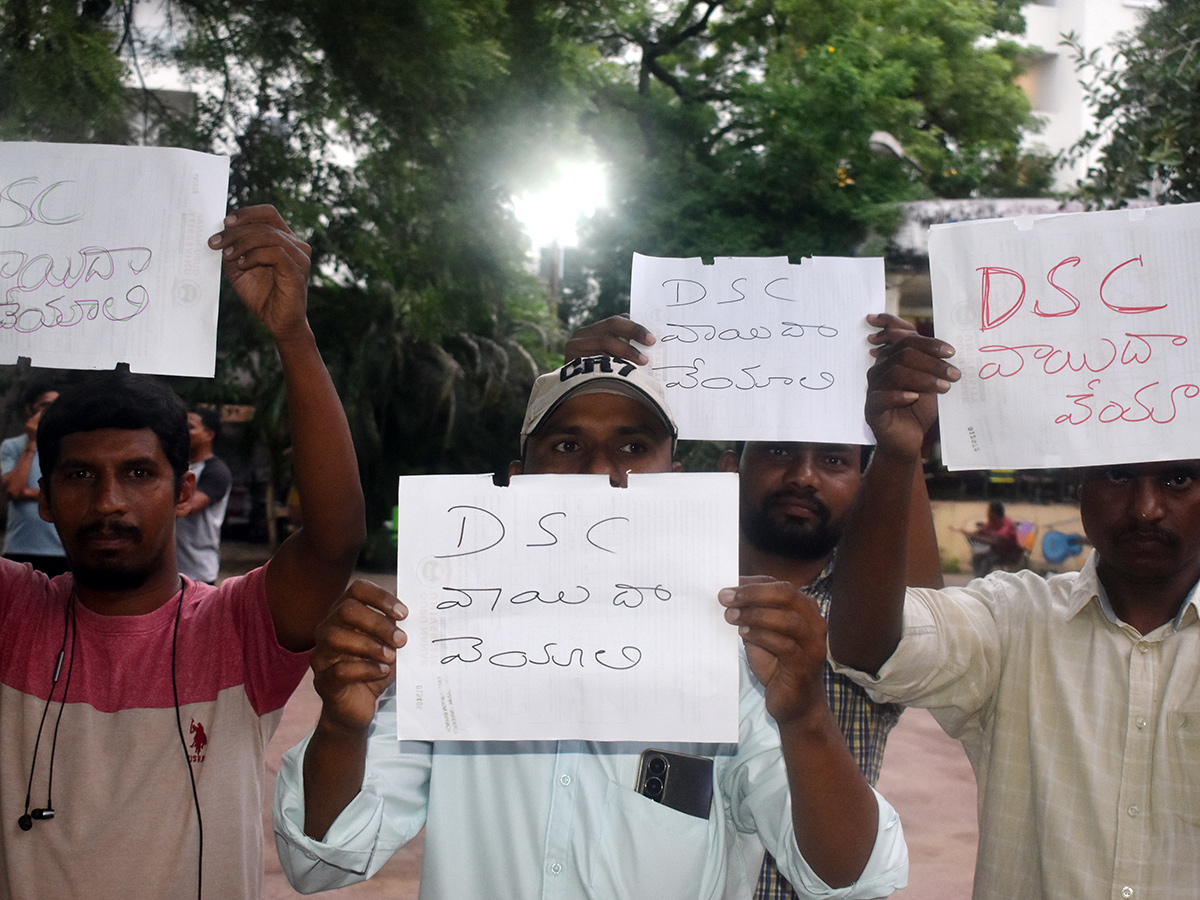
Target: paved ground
[(925, 776)]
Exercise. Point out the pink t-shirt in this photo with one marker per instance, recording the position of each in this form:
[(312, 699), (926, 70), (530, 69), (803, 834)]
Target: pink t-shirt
[(125, 823)]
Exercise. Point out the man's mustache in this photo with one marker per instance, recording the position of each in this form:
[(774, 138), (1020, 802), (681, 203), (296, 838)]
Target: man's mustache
[(111, 528), (808, 496), (1151, 532)]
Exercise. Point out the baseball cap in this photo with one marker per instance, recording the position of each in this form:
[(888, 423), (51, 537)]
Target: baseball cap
[(595, 375)]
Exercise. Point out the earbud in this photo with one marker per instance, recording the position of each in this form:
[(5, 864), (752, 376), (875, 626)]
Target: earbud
[(25, 822)]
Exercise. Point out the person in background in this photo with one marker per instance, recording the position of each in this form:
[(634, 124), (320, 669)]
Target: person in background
[(793, 498), (28, 537), (994, 543), (198, 531)]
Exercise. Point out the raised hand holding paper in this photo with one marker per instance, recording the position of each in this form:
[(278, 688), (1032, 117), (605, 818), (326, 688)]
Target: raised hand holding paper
[(758, 348), (1075, 336), (103, 256)]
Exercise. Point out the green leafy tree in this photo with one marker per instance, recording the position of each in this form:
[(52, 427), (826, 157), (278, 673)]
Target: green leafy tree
[(744, 127), (1144, 96), (390, 133), (61, 77)]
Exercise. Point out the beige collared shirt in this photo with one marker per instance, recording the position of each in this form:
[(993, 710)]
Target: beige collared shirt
[(1084, 735)]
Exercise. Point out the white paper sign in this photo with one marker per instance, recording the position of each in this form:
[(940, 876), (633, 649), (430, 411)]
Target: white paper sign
[(561, 608), (1076, 335), (104, 256), (761, 349)]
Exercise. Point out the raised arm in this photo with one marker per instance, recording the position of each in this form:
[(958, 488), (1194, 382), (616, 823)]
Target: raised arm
[(924, 562), (268, 268), (16, 478), (866, 614), (354, 661), (834, 812)]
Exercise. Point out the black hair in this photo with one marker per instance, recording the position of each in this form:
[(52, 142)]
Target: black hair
[(210, 418), (116, 400), (864, 459), (996, 508)]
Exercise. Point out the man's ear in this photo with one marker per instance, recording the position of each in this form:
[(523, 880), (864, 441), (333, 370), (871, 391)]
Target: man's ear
[(728, 462), (516, 467), (44, 502), (187, 490), (676, 466)]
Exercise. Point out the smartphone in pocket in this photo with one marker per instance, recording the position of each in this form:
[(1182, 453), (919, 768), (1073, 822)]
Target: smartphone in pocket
[(677, 780)]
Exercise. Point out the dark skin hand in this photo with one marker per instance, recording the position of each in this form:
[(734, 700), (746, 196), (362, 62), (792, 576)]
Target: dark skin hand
[(903, 385), (268, 266), (355, 660), (866, 615), (610, 337)]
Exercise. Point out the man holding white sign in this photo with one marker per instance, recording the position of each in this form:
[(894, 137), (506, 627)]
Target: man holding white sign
[(136, 700), (793, 500), (1074, 695), (566, 819)]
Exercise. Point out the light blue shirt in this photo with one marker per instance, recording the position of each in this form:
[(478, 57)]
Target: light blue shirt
[(27, 533), (561, 821)]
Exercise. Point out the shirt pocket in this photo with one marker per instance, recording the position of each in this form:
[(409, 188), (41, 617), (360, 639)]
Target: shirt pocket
[(650, 850), (1183, 759)]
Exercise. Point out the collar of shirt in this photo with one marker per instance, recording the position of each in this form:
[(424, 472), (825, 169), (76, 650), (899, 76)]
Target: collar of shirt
[(1088, 588)]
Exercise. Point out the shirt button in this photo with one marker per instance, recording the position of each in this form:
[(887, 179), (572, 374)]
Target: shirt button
[(1133, 810), (564, 780), (1140, 722), (555, 868), (1145, 648), (1127, 892)]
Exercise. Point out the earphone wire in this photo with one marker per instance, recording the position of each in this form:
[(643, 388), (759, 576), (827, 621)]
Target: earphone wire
[(49, 699), (62, 704), (183, 743)]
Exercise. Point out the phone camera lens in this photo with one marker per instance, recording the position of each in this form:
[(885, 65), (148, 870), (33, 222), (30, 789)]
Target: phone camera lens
[(654, 788), (657, 765)]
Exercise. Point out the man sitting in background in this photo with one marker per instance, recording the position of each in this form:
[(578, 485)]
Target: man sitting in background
[(994, 543)]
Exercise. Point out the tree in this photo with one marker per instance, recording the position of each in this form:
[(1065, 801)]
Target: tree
[(62, 79), (1144, 99), (744, 127), (390, 134)]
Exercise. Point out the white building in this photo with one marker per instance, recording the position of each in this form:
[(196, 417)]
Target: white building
[(1051, 79)]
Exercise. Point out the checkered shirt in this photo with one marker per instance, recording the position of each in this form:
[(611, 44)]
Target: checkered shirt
[(864, 723)]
